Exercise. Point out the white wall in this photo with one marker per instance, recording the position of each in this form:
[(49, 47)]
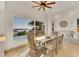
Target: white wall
[(70, 17), (10, 43), (2, 31), (1, 23), (2, 14)]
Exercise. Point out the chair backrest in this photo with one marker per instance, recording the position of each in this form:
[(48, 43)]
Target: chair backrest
[(40, 33), (60, 38), (33, 48), (30, 38), (51, 44)]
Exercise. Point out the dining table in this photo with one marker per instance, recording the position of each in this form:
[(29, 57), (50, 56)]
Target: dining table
[(43, 39)]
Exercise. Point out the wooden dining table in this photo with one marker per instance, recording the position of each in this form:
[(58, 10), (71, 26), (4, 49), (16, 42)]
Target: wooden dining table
[(41, 39), (44, 39)]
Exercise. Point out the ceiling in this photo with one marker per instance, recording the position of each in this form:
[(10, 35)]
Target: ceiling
[(25, 8)]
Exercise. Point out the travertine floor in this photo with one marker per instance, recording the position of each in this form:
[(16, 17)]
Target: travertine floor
[(69, 50)]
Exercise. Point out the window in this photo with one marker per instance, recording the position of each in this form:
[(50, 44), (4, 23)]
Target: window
[(20, 27)]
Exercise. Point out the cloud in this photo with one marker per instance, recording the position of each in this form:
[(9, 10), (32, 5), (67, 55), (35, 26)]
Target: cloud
[(23, 27)]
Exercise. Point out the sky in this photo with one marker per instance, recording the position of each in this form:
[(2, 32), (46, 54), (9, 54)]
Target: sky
[(20, 22)]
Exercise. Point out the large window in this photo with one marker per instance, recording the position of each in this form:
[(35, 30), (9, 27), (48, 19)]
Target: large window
[(21, 27)]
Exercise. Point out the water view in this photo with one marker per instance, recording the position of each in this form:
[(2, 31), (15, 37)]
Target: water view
[(20, 28)]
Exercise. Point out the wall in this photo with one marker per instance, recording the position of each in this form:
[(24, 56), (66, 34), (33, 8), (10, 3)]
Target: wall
[(1, 23), (2, 14), (2, 31), (70, 17), (10, 43)]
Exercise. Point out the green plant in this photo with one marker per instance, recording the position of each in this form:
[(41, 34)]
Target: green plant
[(21, 33)]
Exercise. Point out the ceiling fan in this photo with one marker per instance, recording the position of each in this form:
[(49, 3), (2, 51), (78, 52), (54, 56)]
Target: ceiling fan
[(43, 5)]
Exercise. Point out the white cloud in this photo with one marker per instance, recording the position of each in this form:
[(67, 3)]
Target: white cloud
[(23, 27)]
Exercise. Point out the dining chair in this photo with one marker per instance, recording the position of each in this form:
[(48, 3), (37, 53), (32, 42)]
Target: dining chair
[(60, 42), (35, 51), (40, 33), (51, 47)]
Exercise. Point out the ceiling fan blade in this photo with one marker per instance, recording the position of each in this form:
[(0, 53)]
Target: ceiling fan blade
[(39, 8), (48, 7), (36, 6), (50, 3), (45, 1), (35, 2), (41, 1), (44, 8)]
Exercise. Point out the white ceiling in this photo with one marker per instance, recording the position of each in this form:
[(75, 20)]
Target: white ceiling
[(25, 8)]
